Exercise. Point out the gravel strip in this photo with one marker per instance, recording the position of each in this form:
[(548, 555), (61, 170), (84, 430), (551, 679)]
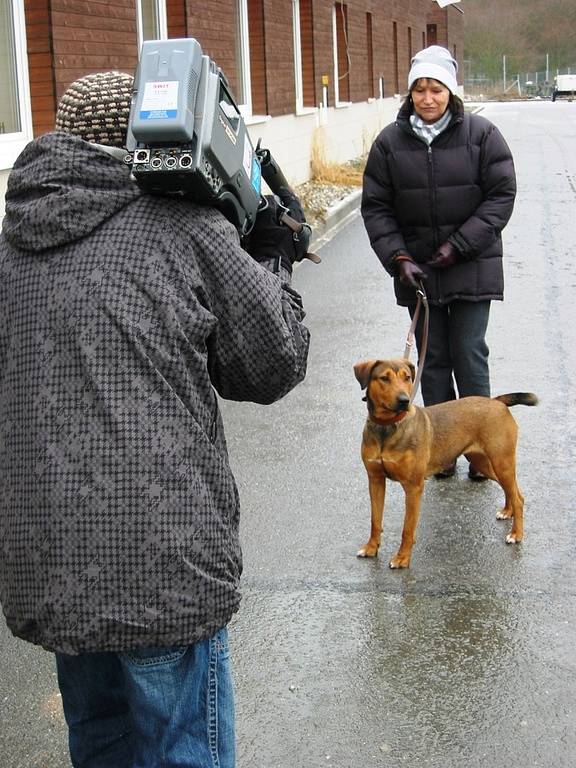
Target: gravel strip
[(318, 197)]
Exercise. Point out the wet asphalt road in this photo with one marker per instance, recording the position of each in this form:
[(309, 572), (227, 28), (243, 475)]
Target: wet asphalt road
[(467, 659)]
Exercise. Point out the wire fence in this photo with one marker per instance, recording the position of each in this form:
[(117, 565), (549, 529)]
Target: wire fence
[(514, 86)]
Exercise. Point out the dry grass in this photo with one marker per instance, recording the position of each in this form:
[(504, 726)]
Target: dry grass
[(324, 171)]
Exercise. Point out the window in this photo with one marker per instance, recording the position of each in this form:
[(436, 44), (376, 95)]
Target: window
[(395, 44), (15, 112), (151, 20), (370, 52), (251, 58), (303, 54), (341, 54), (228, 107), (432, 34)]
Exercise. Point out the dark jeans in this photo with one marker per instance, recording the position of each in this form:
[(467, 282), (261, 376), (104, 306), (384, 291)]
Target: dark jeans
[(457, 354), (150, 708)]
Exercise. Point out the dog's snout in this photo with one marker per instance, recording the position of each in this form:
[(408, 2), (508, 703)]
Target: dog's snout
[(402, 401)]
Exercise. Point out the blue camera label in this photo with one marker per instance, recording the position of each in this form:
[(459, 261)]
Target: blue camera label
[(256, 175), (158, 114)]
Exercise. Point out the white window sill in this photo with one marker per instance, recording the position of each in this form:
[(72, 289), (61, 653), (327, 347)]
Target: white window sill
[(302, 111), (10, 148), (255, 119), (343, 104)]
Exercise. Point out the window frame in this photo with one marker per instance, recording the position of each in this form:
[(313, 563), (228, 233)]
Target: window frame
[(335, 52), (298, 80), (162, 17), (370, 56), (244, 56), (12, 144), (301, 108)]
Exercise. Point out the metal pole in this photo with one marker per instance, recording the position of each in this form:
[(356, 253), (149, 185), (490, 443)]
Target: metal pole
[(504, 73), (547, 68)]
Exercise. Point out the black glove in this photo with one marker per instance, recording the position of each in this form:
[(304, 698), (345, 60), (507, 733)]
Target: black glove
[(295, 219), (445, 256), (290, 201), (270, 240), (409, 273)]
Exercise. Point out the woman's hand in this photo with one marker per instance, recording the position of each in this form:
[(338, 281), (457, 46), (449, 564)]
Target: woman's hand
[(445, 256), (409, 273)]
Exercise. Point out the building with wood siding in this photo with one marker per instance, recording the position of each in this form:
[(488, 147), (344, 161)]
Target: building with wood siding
[(305, 72)]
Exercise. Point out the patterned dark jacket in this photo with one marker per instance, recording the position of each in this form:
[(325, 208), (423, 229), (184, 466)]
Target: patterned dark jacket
[(120, 314), (460, 188)]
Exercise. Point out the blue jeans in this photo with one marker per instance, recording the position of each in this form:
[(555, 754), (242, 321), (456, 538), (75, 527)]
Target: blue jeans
[(151, 707)]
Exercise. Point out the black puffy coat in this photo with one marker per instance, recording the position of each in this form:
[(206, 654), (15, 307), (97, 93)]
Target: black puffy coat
[(460, 187)]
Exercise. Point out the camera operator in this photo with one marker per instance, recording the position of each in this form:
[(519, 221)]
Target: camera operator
[(122, 314)]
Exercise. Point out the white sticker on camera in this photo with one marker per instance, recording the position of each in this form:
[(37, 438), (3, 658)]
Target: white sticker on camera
[(160, 100)]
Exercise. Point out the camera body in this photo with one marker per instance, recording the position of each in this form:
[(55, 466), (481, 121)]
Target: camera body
[(186, 134)]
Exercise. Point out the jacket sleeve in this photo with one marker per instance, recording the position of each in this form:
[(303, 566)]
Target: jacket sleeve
[(498, 183), (378, 208), (258, 348)]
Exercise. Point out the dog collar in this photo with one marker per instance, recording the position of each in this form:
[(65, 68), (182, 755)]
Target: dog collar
[(394, 420)]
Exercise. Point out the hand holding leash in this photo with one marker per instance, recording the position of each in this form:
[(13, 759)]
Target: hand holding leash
[(409, 273)]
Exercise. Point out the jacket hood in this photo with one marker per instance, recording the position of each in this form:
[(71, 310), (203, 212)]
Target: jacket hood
[(60, 189)]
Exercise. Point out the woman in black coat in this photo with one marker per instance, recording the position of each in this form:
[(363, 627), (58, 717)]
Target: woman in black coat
[(439, 187)]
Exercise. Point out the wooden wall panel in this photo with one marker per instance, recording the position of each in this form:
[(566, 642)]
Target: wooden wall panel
[(68, 39), (40, 70), (90, 36), (309, 89)]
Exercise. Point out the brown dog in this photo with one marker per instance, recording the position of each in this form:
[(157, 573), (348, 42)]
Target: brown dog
[(406, 443)]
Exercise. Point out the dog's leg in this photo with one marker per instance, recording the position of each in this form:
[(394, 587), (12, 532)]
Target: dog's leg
[(377, 488), (514, 503), (413, 493), (504, 467)]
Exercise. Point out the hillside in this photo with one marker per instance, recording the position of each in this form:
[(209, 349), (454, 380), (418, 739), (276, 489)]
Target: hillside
[(522, 30)]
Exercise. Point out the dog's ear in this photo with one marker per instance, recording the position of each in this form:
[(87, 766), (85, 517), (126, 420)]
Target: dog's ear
[(363, 370)]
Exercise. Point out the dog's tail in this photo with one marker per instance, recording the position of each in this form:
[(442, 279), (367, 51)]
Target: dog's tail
[(518, 398)]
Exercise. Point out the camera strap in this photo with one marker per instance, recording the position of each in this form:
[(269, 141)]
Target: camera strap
[(301, 233), (116, 152)]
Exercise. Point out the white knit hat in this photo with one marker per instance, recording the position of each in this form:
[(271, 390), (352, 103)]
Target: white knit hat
[(437, 63)]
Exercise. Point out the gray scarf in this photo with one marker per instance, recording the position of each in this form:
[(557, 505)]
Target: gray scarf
[(429, 131)]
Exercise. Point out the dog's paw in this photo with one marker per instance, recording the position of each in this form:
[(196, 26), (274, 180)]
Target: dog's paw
[(513, 538), (399, 562), (504, 514), (367, 551)]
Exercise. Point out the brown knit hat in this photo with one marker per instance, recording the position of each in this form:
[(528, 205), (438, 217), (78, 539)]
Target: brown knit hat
[(96, 108)]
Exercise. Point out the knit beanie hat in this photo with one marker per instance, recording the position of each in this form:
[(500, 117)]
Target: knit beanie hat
[(437, 63), (96, 108)]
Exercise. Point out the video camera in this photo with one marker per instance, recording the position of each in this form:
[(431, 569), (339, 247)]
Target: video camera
[(186, 134)]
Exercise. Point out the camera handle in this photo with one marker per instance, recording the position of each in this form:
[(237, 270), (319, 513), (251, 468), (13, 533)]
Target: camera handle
[(273, 176)]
